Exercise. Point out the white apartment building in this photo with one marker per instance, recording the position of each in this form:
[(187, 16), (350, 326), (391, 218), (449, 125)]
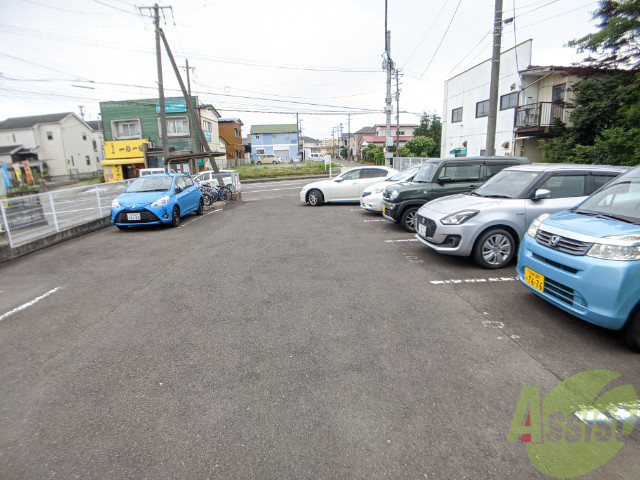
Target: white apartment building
[(466, 105)]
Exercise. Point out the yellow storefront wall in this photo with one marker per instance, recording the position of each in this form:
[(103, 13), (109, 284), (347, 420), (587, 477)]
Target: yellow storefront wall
[(121, 155)]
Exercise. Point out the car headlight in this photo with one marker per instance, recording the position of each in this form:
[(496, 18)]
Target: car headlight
[(115, 204), (535, 225), (618, 247), (459, 218), (393, 194), (161, 202)]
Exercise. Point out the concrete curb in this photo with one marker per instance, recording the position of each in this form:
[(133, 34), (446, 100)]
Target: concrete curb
[(8, 253), (283, 179)]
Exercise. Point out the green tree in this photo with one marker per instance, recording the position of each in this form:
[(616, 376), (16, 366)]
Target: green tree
[(431, 127), (373, 153), (615, 45), (421, 146)]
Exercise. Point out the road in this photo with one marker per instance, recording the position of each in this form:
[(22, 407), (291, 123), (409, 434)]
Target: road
[(270, 339)]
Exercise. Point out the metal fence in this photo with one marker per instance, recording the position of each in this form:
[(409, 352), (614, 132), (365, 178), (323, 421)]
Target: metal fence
[(31, 217), (402, 163)]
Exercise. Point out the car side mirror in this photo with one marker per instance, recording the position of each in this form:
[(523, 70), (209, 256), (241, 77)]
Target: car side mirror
[(444, 180), (339, 179), (180, 189), (541, 193)]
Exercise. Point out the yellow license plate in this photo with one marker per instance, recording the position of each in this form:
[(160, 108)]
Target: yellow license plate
[(534, 279), (383, 208)]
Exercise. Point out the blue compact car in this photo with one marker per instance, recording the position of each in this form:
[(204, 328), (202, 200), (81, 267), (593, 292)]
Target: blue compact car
[(157, 199), (586, 260)]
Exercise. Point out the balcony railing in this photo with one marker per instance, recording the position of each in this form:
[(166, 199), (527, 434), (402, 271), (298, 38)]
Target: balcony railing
[(540, 114)]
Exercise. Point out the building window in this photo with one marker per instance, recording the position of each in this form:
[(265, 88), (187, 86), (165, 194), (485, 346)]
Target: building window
[(510, 100), (73, 162), (84, 136), (456, 115), (88, 159), (176, 127), (49, 136), (207, 126), (259, 151), (95, 145), (257, 136), (125, 129), (557, 94), (482, 109), (237, 132), (274, 136)]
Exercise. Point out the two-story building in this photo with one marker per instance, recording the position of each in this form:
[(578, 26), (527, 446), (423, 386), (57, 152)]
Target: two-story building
[(547, 95), (278, 140), (231, 133), (466, 105), (59, 145), (401, 133), (132, 132)]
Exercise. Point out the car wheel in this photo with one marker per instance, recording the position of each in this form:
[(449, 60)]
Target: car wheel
[(315, 198), (494, 249), (408, 219), (275, 163), (175, 218), (200, 209), (632, 331), (121, 227), (259, 163)]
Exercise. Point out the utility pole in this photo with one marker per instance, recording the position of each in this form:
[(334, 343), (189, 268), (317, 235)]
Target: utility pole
[(192, 132), (340, 143), (490, 148), (192, 112), (388, 65), (81, 107), (163, 114), (349, 137), (398, 110), (300, 152), (333, 141)]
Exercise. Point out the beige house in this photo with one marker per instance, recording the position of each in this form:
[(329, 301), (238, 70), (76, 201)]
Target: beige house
[(547, 94)]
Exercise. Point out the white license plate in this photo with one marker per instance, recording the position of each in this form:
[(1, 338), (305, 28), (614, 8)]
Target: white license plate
[(422, 230), (133, 216)]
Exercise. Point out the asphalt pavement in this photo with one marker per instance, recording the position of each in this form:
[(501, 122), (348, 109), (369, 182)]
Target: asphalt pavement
[(271, 339)]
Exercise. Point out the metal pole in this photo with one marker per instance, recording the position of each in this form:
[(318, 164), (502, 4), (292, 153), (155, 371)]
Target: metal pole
[(192, 112), (163, 113), (490, 149), (6, 221), (397, 111)]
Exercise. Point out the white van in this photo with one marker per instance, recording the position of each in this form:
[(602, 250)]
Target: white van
[(316, 157), (150, 171)]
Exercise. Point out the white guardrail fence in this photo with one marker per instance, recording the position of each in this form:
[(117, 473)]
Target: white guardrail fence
[(402, 163), (30, 217)]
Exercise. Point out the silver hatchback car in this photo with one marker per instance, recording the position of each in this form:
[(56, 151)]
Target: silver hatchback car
[(489, 223)]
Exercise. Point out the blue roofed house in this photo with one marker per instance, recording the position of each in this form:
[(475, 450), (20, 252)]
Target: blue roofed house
[(278, 140)]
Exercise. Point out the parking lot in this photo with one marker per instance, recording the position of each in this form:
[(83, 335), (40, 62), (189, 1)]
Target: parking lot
[(271, 339)]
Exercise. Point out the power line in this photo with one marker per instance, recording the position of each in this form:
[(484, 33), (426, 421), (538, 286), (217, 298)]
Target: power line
[(427, 33), (442, 40)]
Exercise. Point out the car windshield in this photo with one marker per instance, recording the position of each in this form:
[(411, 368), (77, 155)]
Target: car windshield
[(150, 184), (506, 184), (620, 201), (402, 176), (425, 174)]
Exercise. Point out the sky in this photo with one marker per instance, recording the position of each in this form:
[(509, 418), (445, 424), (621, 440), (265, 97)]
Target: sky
[(263, 61)]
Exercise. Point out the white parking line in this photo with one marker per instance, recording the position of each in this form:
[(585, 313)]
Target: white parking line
[(403, 240), (474, 280), (271, 190), (368, 221), (28, 304), (199, 217)]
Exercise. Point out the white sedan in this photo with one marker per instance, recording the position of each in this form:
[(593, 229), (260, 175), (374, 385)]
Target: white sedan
[(347, 187), (371, 198)]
